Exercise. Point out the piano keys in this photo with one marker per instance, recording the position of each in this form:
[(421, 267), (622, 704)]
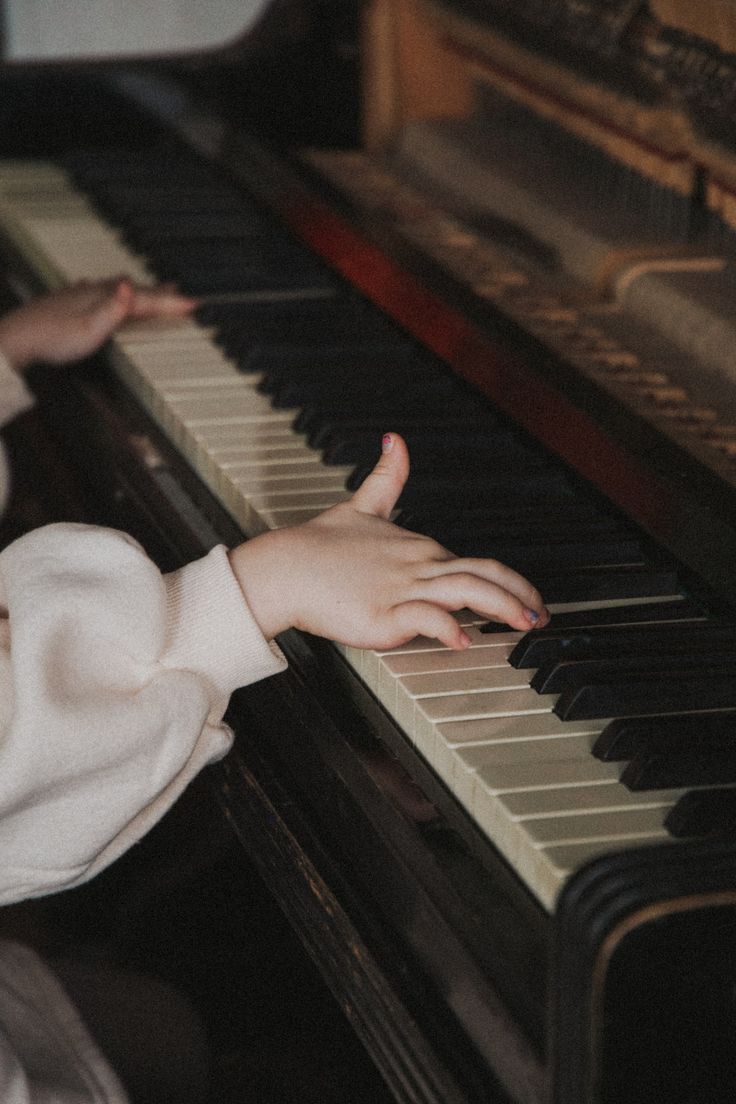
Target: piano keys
[(548, 815)]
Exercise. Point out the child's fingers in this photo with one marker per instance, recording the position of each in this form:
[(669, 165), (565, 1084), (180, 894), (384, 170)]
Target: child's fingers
[(411, 619), (104, 317), (493, 572), (163, 300), (459, 590), (380, 490)]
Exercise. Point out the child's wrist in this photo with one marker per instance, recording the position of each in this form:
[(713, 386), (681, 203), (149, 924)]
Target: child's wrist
[(255, 567)]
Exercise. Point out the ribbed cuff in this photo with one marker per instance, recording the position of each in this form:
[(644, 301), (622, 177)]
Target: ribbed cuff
[(15, 397), (211, 629)]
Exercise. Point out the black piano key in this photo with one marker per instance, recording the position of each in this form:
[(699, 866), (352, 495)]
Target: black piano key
[(565, 671), (565, 510), (647, 697), (474, 473), (603, 585), (269, 330), (702, 813), (665, 635), (299, 379), (476, 484), (150, 231), (303, 327), (628, 737), (490, 452), (235, 251), (530, 557), (566, 675), (518, 528), (227, 281), (480, 437), (680, 609), (109, 164), (342, 417), (402, 387), (354, 442), (357, 445), (342, 410), (123, 201), (682, 768)]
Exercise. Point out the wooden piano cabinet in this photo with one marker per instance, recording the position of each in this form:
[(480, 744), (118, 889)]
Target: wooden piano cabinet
[(407, 72), (644, 978)]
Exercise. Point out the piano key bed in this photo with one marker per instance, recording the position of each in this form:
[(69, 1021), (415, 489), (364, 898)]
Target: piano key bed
[(277, 394)]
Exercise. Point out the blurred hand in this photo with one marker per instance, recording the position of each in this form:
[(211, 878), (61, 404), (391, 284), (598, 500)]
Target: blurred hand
[(69, 325)]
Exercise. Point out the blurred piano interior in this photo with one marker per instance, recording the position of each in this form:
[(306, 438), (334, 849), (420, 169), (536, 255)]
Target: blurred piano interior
[(508, 231)]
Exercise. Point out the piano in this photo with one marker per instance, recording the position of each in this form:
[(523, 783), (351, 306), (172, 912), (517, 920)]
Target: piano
[(515, 867)]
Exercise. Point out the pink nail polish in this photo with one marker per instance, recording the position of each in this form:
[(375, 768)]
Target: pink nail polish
[(387, 443)]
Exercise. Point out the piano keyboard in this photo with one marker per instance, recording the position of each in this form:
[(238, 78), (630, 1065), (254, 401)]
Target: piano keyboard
[(262, 394)]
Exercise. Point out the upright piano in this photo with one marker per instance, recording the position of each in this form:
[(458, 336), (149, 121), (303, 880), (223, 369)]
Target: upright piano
[(506, 231)]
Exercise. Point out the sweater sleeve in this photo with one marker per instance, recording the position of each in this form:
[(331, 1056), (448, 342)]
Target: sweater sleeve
[(114, 681)]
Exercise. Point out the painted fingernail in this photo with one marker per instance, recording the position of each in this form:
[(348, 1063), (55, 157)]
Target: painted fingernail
[(532, 615), (387, 443), (464, 639)]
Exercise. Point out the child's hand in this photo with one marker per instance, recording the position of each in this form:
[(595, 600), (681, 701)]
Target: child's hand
[(72, 324), (352, 576)]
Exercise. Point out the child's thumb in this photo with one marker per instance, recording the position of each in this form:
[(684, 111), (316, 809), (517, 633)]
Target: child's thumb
[(379, 491)]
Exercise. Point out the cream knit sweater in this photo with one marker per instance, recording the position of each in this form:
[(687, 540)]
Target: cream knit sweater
[(113, 684)]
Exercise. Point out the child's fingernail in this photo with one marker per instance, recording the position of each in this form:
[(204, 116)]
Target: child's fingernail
[(532, 615), (387, 443), (464, 639)]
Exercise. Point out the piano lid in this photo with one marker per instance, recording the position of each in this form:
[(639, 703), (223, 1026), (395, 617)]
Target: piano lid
[(75, 30)]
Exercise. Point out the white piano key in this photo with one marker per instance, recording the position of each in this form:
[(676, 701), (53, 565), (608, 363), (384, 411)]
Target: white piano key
[(238, 442), (597, 797), (612, 828), (179, 331), (547, 869), (444, 659), (373, 660), (437, 694), (79, 252), (546, 774), (498, 676), (460, 766), (462, 747), (271, 501), (32, 177), (479, 658), (420, 716), (257, 481), (284, 519), (279, 460), (533, 846)]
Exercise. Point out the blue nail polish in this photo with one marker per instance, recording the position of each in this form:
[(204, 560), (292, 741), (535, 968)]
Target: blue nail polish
[(533, 617)]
